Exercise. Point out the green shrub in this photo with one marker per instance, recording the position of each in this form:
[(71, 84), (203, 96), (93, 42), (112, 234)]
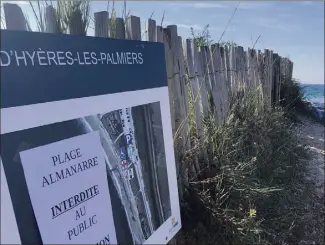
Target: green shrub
[(291, 93), (292, 100)]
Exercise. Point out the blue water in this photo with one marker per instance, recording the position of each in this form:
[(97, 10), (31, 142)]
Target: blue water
[(314, 93)]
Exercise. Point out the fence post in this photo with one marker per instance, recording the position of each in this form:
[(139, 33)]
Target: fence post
[(245, 58), (269, 75), (215, 88), (160, 34), (184, 95), (260, 72), (237, 67), (198, 69), (101, 24), (215, 54), (227, 69), (207, 82), (175, 86), (133, 28), (223, 67), (195, 96), (14, 17), (184, 126), (151, 31), (170, 73), (223, 77), (233, 69), (274, 84), (252, 68), (278, 78), (240, 51), (76, 24), (51, 21)]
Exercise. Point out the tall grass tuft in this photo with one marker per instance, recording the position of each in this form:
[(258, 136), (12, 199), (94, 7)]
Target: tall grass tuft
[(293, 100), (256, 162), (291, 96), (75, 16), (71, 17)]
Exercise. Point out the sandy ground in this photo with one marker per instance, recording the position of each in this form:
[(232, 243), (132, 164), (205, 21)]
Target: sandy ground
[(312, 134)]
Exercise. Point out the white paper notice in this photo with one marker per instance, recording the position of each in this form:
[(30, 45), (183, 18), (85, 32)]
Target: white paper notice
[(67, 183)]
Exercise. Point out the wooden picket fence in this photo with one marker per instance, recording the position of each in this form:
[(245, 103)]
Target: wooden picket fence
[(197, 74)]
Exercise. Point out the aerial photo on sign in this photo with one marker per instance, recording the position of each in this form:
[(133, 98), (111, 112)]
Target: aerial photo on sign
[(134, 156), (131, 145)]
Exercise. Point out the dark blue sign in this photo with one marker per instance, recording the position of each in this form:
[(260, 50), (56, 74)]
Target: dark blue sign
[(43, 67)]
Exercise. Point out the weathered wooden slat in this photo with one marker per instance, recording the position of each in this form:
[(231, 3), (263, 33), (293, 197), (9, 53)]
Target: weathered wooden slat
[(216, 86), (237, 68), (119, 31), (241, 66), (255, 68), (206, 77), (76, 24), (278, 79), (259, 68), (228, 69), (273, 85), (201, 79), (176, 87), (14, 17), (151, 30), (248, 66), (188, 65), (233, 68), (245, 75), (291, 69), (195, 97), (178, 110), (133, 28), (265, 74), (170, 73), (160, 34), (184, 94), (51, 21), (184, 129), (224, 79), (269, 77), (101, 24), (252, 68), (194, 85), (245, 70), (201, 95), (214, 52), (214, 68)]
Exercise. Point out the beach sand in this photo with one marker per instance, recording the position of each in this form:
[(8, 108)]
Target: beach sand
[(312, 134)]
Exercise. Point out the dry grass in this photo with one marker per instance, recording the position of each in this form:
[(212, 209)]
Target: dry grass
[(253, 193)]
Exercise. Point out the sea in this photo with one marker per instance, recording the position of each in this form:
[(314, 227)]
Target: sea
[(314, 93)]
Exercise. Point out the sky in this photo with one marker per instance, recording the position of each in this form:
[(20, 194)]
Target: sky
[(291, 29)]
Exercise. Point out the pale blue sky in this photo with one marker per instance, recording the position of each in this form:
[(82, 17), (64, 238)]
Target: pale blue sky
[(294, 29)]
